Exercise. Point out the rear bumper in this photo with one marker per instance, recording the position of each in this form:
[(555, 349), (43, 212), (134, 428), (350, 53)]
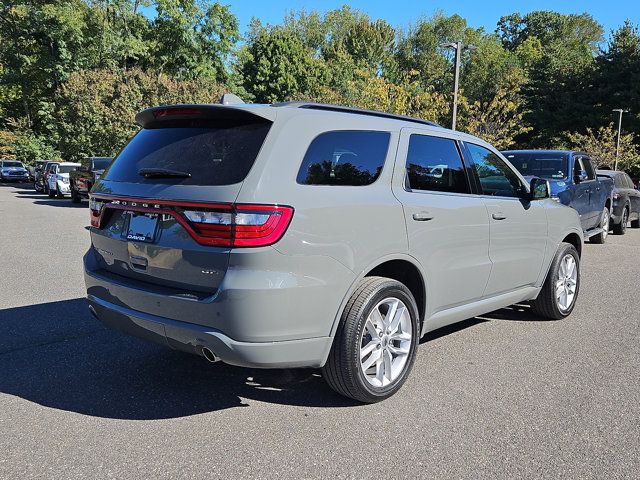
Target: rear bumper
[(190, 338), (270, 310)]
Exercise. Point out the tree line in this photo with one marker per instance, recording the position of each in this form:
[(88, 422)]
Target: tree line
[(73, 73)]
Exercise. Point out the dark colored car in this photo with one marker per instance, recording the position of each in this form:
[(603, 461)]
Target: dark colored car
[(626, 201), (573, 183), (38, 172), (13, 171), (86, 176)]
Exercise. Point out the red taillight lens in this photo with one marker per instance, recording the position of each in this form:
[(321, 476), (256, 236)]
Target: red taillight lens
[(95, 211), (240, 225), (223, 225)]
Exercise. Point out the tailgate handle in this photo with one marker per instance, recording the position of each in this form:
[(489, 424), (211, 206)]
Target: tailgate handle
[(138, 262)]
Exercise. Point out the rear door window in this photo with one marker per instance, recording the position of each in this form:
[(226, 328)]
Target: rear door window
[(345, 157), (434, 164), (209, 152)]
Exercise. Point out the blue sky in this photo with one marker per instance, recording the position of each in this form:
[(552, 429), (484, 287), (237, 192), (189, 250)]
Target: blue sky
[(479, 13)]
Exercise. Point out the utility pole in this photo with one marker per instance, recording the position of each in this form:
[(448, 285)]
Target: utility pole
[(620, 112), (459, 47)]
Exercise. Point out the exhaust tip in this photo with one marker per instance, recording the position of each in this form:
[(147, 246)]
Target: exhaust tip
[(209, 355)]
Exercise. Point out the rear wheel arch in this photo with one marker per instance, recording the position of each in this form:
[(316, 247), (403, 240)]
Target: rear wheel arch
[(407, 273), (389, 267)]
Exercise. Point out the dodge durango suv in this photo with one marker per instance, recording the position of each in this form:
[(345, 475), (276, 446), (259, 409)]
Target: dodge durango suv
[(308, 235)]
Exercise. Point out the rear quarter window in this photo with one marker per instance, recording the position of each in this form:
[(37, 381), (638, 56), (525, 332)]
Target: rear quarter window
[(346, 157), (212, 152)]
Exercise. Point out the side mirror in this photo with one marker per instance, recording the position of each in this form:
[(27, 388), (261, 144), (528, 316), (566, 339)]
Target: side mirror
[(539, 189), (582, 176)]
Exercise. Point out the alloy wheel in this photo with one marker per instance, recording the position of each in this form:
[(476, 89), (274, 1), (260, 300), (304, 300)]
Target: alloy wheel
[(566, 282), (385, 342)]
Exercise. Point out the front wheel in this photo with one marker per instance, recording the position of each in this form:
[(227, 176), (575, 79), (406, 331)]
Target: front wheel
[(605, 218), (376, 342), (621, 228), (75, 197), (560, 290)]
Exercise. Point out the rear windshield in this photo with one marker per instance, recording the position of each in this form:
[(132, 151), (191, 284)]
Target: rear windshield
[(66, 168), (101, 163), (211, 152), (550, 165), (12, 164)]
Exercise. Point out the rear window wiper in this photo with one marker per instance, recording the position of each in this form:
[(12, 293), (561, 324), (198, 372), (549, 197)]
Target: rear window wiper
[(162, 172)]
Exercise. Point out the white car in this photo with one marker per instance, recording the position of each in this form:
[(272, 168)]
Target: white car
[(58, 179)]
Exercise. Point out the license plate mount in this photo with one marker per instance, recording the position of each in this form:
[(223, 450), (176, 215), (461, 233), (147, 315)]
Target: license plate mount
[(142, 227)]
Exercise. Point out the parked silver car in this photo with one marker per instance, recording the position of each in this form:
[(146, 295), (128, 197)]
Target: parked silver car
[(306, 235)]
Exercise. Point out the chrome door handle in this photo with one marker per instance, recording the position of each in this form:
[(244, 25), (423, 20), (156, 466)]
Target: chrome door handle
[(498, 216), (422, 217)]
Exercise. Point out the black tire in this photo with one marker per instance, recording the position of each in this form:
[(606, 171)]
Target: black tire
[(51, 193), (45, 188), (604, 225), (546, 305), (621, 228), (75, 198), (36, 187), (343, 368), (635, 223), (59, 194)]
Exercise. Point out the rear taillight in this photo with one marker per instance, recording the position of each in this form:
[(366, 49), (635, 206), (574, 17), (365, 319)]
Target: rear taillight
[(224, 225), (95, 211), (239, 225)]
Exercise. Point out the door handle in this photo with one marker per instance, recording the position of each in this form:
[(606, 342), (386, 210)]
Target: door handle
[(422, 217), (498, 216)]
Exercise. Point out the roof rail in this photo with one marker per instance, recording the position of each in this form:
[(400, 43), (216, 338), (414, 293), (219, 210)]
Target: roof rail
[(359, 111)]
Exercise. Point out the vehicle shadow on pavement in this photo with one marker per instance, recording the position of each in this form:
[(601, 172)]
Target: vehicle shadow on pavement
[(57, 355)]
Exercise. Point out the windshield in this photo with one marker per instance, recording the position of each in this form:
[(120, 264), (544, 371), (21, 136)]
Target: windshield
[(552, 165), (66, 168), (12, 164), (101, 163)]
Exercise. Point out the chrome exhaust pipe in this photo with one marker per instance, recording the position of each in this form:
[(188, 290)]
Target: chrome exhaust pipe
[(209, 355)]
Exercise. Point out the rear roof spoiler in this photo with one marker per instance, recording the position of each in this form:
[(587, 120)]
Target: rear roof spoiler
[(156, 115)]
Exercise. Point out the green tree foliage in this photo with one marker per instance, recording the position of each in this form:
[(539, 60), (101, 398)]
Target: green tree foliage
[(617, 80), (561, 60), (406, 97), (74, 72), (277, 66), (601, 145), (98, 107), (41, 45), (193, 39), (497, 120)]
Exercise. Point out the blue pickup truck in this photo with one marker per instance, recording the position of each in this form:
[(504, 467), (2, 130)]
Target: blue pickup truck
[(573, 182)]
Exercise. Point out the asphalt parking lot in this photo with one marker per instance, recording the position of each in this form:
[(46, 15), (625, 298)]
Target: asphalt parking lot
[(502, 396)]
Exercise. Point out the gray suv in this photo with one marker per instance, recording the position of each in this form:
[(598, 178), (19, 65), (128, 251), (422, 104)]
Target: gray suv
[(306, 235)]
